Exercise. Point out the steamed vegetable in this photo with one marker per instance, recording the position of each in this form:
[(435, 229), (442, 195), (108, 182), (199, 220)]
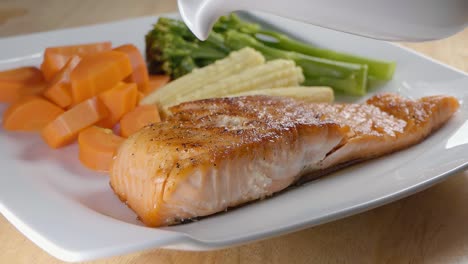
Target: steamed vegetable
[(275, 73), (64, 129), (89, 90), (139, 73), (26, 74), (119, 100), (11, 92), (97, 73), (140, 97), (31, 113), (345, 77), (59, 89), (174, 50), (135, 120), (156, 82), (20, 82), (56, 57), (97, 147), (308, 94), (241, 71), (234, 63), (377, 69)]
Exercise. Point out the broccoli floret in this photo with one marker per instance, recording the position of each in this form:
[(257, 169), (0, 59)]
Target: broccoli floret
[(172, 49)]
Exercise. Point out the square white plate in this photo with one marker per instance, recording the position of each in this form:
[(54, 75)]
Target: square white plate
[(72, 213)]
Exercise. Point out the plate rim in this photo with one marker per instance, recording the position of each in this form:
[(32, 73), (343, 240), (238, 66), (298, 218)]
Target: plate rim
[(69, 255)]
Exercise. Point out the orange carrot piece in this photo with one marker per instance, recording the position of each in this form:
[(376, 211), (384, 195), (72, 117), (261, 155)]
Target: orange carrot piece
[(12, 91), (27, 75), (139, 71), (20, 82), (65, 128), (56, 57), (97, 73), (140, 97), (59, 90), (138, 118), (119, 100), (97, 147), (31, 113), (156, 82)]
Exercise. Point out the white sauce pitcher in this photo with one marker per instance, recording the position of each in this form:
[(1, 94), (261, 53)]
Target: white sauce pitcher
[(395, 20)]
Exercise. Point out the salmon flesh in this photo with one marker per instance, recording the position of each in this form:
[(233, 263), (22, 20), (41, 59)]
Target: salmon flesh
[(213, 154)]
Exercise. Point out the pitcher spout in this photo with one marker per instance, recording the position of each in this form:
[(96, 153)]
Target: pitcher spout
[(200, 15)]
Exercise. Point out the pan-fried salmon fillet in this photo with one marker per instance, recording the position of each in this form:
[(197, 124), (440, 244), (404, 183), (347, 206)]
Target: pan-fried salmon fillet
[(218, 153)]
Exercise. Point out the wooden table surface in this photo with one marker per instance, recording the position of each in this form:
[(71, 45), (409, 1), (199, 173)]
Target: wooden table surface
[(428, 227)]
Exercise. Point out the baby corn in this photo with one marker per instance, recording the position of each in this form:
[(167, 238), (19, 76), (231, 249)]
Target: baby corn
[(180, 88), (313, 94), (275, 73)]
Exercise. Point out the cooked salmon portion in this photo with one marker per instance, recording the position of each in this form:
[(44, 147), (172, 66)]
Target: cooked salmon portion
[(213, 154)]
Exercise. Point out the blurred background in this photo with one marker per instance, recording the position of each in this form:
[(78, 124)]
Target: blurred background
[(27, 16)]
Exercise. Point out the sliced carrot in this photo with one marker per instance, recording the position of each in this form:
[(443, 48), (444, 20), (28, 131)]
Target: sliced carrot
[(65, 128), (20, 82), (97, 73), (30, 114), (156, 82), (56, 57), (97, 147), (139, 71), (140, 97), (25, 75), (12, 91), (138, 118), (59, 90), (119, 100)]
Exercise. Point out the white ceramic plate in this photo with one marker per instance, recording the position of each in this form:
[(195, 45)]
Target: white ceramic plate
[(71, 212)]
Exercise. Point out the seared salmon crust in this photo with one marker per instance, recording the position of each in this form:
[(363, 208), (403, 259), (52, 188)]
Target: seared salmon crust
[(213, 154)]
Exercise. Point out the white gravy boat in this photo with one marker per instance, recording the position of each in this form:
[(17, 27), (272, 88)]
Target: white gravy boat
[(394, 20)]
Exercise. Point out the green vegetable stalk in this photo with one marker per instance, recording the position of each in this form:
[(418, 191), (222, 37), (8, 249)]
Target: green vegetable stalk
[(377, 69), (172, 49), (345, 77)]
